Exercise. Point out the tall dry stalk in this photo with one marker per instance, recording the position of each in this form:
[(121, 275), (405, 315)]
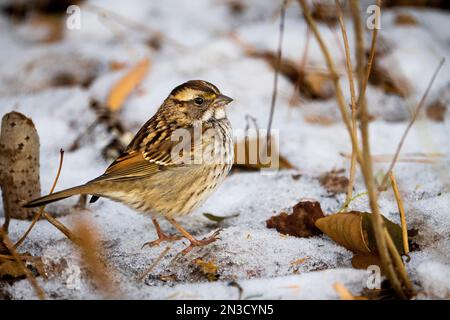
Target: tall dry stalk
[(277, 71), (351, 81), (364, 158)]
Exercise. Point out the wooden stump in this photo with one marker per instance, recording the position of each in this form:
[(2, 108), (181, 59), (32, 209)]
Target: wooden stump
[(19, 165)]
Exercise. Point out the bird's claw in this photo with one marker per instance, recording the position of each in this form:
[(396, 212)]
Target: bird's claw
[(161, 239), (203, 242)]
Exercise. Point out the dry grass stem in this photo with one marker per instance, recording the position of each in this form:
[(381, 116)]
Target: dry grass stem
[(126, 21), (343, 292), (363, 158), (58, 225), (352, 95), (401, 210), (295, 94), (413, 119), (366, 167), (277, 70), (155, 263), (339, 97), (398, 262), (38, 214)]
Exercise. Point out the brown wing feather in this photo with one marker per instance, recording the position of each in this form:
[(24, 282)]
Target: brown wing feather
[(147, 154), (129, 166)]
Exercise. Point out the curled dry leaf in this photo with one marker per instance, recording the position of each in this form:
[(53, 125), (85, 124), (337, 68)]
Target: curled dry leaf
[(353, 230), (123, 88), (11, 269), (334, 182), (301, 222)]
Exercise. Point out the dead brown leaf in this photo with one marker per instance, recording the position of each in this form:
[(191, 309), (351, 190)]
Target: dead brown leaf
[(320, 119), (405, 19), (123, 88), (353, 230), (310, 83), (436, 111), (334, 182), (301, 222), (11, 269), (389, 81)]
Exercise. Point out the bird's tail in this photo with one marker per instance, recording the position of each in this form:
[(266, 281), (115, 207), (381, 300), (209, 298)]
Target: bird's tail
[(83, 189)]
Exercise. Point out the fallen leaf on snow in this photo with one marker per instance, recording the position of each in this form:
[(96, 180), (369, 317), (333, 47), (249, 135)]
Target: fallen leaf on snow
[(436, 111), (334, 182), (353, 230), (301, 222), (123, 88), (405, 19)]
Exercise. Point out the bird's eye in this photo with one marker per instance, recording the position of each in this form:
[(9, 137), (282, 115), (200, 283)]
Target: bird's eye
[(198, 101)]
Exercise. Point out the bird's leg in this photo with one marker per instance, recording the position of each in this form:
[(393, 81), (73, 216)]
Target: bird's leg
[(161, 236), (194, 242)]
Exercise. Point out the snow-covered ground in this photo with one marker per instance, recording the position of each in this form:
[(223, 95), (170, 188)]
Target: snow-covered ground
[(197, 46)]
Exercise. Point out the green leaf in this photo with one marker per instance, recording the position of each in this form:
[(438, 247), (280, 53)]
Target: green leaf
[(215, 218)]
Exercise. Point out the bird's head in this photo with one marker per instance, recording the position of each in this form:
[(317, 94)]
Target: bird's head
[(197, 100)]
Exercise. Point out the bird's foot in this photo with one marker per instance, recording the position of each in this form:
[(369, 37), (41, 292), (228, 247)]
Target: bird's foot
[(161, 238), (200, 243)]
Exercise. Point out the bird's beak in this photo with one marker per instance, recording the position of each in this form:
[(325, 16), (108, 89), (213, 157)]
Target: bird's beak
[(223, 100)]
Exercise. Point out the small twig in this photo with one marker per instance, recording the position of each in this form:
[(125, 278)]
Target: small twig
[(401, 210), (277, 70), (10, 246), (352, 95), (413, 119), (359, 37), (332, 68), (343, 292), (398, 262), (348, 201), (302, 68), (24, 257), (58, 225), (155, 263), (41, 209)]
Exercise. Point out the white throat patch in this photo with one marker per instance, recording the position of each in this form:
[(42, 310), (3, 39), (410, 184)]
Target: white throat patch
[(219, 113)]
